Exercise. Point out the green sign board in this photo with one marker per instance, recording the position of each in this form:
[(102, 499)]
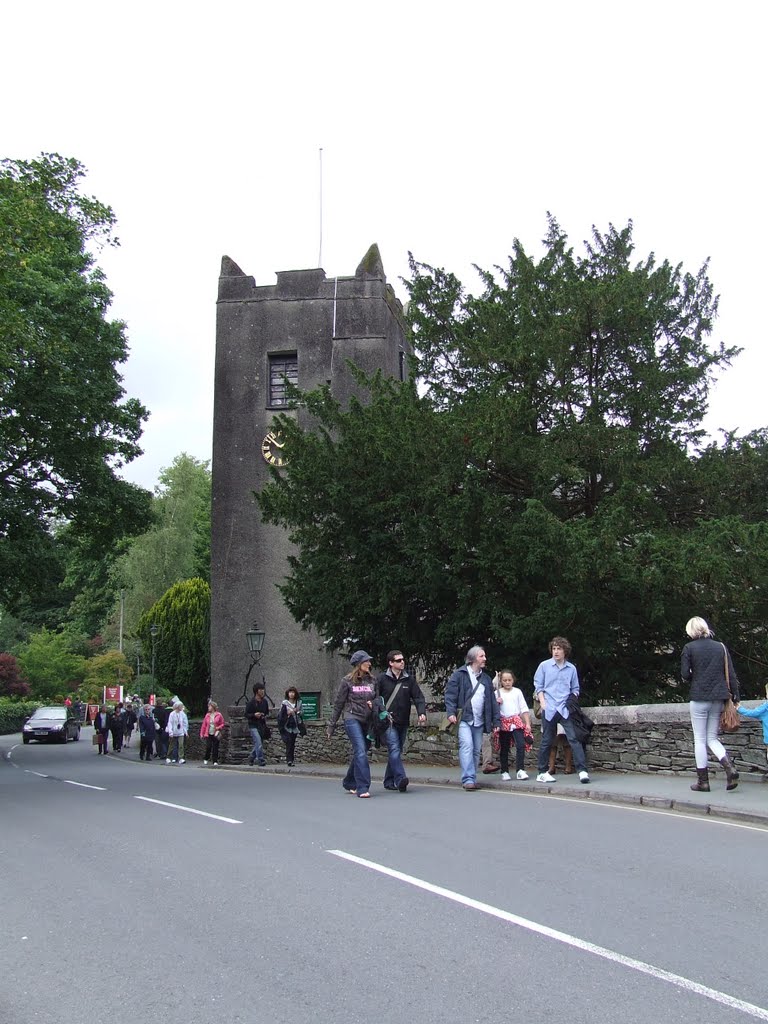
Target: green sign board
[(310, 703)]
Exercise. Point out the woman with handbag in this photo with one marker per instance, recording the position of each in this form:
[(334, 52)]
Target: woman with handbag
[(290, 723), (707, 665)]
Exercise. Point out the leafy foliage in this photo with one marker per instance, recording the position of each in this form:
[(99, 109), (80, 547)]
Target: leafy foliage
[(551, 479), (13, 682), (13, 714), (65, 425), (108, 669), (50, 664), (176, 547), (182, 645)]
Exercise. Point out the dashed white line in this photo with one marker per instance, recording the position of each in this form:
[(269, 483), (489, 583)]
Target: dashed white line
[(190, 810), (758, 1012), (70, 782), (38, 774)]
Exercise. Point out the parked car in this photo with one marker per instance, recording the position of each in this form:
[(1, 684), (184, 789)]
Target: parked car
[(54, 723)]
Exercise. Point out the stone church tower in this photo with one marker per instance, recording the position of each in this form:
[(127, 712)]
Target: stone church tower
[(304, 328)]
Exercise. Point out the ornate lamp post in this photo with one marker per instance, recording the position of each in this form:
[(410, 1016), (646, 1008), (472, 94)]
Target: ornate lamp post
[(153, 632), (255, 638)]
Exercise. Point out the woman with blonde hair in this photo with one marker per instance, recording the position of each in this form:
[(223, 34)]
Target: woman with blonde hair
[(706, 664)]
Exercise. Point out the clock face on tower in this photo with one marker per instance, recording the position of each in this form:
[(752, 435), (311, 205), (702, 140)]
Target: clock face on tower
[(272, 448)]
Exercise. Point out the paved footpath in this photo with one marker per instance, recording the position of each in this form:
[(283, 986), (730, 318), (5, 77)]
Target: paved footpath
[(748, 802)]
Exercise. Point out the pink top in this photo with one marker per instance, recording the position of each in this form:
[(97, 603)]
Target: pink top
[(218, 723)]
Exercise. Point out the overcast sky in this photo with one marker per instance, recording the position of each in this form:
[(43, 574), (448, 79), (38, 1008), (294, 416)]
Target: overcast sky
[(448, 129)]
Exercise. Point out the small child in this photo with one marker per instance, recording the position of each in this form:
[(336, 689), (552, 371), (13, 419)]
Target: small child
[(515, 724), (760, 712)]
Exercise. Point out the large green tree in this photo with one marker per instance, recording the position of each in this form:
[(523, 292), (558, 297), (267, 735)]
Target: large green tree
[(176, 547), (548, 476), (182, 645), (51, 665), (66, 426)]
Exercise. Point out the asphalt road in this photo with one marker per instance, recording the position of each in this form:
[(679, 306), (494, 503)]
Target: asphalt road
[(285, 900)]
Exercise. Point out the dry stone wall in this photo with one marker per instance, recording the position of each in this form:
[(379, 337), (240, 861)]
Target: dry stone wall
[(639, 738)]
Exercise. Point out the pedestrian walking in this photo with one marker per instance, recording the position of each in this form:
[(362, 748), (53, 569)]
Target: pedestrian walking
[(290, 723), (129, 724), (706, 664), (355, 701), (147, 733), (470, 701), (256, 714), (101, 728), (556, 682), (210, 731), (161, 713), (116, 728), (398, 688), (515, 725), (177, 729)]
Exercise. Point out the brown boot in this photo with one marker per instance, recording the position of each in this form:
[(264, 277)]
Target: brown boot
[(568, 760), (731, 775), (702, 786)]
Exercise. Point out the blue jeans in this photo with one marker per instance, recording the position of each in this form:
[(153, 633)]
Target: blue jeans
[(257, 754), (470, 745), (358, 775), (549, 735), (395, 737)]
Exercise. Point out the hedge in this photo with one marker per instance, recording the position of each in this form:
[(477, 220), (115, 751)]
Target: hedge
[(14, 712)]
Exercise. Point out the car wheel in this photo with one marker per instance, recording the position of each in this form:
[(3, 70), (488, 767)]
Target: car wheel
[(64, 736), (25, 739)]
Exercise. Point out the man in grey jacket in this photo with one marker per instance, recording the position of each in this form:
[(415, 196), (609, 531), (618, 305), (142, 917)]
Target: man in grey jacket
[(469, 699)]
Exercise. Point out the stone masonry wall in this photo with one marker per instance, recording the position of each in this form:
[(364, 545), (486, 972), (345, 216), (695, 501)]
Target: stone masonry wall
[(639, 738)]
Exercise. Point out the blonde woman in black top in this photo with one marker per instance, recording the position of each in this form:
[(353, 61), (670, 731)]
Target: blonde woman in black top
[(703, 666)]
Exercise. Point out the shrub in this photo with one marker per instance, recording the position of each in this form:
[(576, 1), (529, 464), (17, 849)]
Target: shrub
[(13, 714)]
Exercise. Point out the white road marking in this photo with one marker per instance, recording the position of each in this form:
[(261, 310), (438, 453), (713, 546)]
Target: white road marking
[(38, 774), (758, 1012), (69, 782), (191, 810)]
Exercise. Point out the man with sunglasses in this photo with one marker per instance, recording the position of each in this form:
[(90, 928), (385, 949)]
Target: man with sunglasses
[(399, 690)]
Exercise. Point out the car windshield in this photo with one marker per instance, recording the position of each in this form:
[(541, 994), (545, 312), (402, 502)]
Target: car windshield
[(49, 713)]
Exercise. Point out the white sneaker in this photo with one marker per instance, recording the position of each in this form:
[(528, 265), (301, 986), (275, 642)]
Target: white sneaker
[(584, 777), (505, 777), (215, 764), (182, 761), (205, 762), (522, 775), (546, 777), (167, 760)]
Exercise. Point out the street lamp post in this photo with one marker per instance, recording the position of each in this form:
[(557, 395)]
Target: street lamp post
[(255, 638), (153, 631)]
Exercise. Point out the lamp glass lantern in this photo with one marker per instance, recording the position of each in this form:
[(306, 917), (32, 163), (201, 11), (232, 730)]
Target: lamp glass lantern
[(255, 638)]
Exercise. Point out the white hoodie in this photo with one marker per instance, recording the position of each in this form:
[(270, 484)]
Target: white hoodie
[(178, 723)]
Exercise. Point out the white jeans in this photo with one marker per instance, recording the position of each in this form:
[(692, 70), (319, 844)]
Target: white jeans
[(705, 719)]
